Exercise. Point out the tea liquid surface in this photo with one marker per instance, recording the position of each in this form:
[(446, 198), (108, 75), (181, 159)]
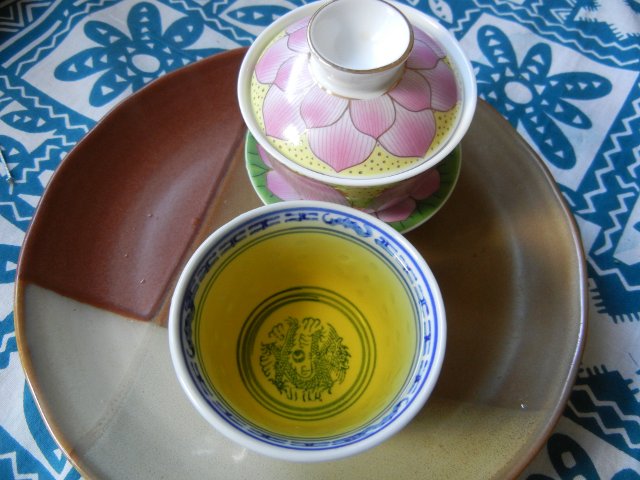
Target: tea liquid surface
[(307, 334)]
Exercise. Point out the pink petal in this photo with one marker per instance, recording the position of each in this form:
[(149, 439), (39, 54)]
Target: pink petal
[(422, 37), (294, 77), (422, 56), (397, 202), (264, 156), (310, 190), (393, 195), (282, 115), (413, 92), (298, 41), (269, 64), (419, 188), (279, 186), (289, 185), (373, 117), (444, 88), (411, 134), (341, 145), (397, 212), (295, 26), (319, 109), (426, 184)]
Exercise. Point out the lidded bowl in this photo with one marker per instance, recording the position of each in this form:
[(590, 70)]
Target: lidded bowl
[(363, 97)]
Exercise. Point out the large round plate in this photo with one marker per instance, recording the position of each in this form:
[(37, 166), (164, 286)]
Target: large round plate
[(155, 176)]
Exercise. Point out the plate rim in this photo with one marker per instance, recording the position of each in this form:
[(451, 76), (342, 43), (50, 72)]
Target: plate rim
[(20, 319), (582, 276)]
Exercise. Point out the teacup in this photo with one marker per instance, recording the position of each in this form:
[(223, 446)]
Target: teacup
[(358, 101), (307, 331)]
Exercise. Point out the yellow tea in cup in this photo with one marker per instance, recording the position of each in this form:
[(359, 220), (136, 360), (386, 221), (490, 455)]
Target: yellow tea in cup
[(307, 334), (307, 331)]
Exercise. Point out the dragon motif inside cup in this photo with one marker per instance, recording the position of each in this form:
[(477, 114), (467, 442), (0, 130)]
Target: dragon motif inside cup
[(305, 359)]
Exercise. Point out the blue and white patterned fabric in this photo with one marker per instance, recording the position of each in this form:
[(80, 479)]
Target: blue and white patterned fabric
[(565, 73)]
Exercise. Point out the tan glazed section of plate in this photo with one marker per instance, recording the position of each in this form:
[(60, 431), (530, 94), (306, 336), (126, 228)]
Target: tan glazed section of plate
[(156, 175)]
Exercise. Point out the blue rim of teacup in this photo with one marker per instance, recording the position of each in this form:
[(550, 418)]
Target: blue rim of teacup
[(369, 230)]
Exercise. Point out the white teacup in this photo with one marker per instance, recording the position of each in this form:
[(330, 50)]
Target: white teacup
[(307, 331)]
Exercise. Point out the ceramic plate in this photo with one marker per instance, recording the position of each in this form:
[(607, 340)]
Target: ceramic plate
[(448, 169), (135, 197)]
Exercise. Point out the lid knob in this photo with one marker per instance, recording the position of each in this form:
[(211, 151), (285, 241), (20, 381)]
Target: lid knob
[(358, 47)]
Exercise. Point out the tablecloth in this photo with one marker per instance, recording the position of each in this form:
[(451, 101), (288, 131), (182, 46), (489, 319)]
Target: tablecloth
[(565, 73)]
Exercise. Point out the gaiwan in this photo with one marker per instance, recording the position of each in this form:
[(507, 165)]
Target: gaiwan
[(356, 101)]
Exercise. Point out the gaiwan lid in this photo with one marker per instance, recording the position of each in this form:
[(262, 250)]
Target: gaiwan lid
[(354, 90)]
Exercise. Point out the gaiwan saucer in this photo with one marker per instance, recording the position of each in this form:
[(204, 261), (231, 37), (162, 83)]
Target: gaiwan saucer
[(258, 167)]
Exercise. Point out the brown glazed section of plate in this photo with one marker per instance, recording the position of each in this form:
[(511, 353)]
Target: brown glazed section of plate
[(136, 191)]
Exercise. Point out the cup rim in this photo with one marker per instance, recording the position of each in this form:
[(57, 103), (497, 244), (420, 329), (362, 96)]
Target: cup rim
[(214, 418), (416, 18), (399, 61)]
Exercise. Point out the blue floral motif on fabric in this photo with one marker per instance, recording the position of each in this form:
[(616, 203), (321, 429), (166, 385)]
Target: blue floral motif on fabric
[(607, 31), (134, 57), (525, 93)]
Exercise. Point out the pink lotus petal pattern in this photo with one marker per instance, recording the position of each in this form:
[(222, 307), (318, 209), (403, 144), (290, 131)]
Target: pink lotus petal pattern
[(288, 185), (393, 205), (343, 132), (396, 203)]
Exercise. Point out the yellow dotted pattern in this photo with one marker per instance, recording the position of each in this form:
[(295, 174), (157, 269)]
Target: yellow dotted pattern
[(258, 92), (379, 163)]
